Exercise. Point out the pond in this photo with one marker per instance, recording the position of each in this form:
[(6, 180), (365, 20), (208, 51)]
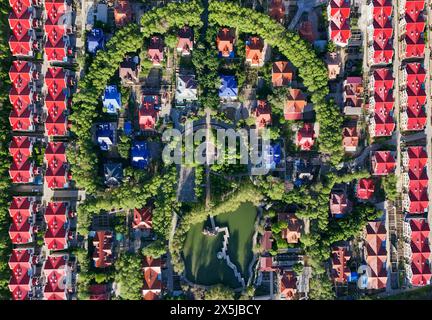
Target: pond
[(201, 264)]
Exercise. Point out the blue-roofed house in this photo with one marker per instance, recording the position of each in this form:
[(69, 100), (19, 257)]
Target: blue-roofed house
[(106, 135), (140, 154), (127, 128), (113, 173), (111, 99), (228, 89), (95, 40), (272, 156)]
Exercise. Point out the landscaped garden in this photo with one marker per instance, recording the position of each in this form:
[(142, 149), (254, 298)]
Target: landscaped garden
[(202, 265)]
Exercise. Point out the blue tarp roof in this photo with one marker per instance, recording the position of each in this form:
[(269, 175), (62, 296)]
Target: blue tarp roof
[(105, 136), (111, 99), (95, 40), (127, 128), (228, 88), (140, 154)]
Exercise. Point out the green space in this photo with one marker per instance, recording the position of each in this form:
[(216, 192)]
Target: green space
[(424, 293), (202, 265)]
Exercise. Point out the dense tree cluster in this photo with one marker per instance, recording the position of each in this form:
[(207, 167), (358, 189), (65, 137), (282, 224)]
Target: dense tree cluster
[(219, 292), (129, 276), (5, 160)]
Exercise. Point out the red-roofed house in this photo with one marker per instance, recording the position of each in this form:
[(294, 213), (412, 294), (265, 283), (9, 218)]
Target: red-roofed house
[(417, 251), (382, 162), (382, 124), (352, 96), (56, 272), (152, 278), (155, 50), (375, 253), (365, 188), (56, 218), (21, 146), (99, 292), (122, 13), (381, 32), (287, 285), (103, 245), (21, 170), (276, 10), (292, 232), (266, 241), (412, 26), (143, 219), (148, 113), (56, 175), (24, 257), (185, 40), (22, 211), (338, 12), (295, 104), (225, 42), (305, 137), (262, 114), (20, 283), (350, 139), (23, 69), (339, 258), (266, 264), (282, 74), (339, 204), (255, 51)]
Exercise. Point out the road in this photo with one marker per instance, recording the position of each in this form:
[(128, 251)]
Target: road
[(303, 7)]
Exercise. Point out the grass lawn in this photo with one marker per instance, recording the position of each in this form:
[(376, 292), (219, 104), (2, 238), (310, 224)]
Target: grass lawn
[(415, 294), (202, 265)]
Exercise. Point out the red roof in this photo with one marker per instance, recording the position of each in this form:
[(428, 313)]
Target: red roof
[(54, 11), (384, 124), (266, 241), (56, 175), (20, 280), (21, 170), (99, 292), (147, 116), (56, 80), (382, 48), (340, 270), (381, 17), (288, 285), (102, 254), (143, 219), (350, 137), (418, 198), (22, 145), (22, 257), (185, 39), (262, 114), (122, 13), (294, 104), (266, 264), (413, 9), (152, 278), (383, 162), (383, 78), (416, 118), (21, 232), (277, 10), (55, 288), (254, 50), (155, 50), (22, 69), (365, 188), (22, 44), (57, 231), (339, 203), (421, 273), (417, 157), (55, 150), (306, 137), (225, 41)]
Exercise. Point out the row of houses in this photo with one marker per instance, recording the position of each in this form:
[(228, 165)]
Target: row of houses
[(338, 15)]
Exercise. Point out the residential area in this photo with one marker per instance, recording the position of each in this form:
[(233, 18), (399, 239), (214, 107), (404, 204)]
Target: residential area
[(215, 150)]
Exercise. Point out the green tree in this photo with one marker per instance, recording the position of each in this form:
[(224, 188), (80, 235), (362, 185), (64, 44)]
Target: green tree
[(129, 276), (219, 292)]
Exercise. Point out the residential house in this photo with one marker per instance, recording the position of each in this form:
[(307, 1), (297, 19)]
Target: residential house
[(340, 205), (56, 271), (140, 155), (113, 173), (352, 96), (266, 264), (365, 188), (99, 292), (381, 32), (282, 74), (57, 167), (225, 42), (412, 26), (155, 50), (57, 220), (152, 278), (292, 232), (22, 265), (276, 10), (417, 251), (122, 13), (228, 89), (334, 64), (106, 135), (339, 258), (186, 89), (287, 285), (95, 40), (148, 112), (111, 100), (255, 51), (295, 104), (338, 12), (262, 114), (382, 162), (103, 249), (305, 137), (350, 138), (375, 253), (266, 241), (143, 219), (129, 70), (185, 41), (22, 211)]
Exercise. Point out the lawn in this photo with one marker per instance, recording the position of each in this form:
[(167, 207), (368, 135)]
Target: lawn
[(414, 294), (202, 265)]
